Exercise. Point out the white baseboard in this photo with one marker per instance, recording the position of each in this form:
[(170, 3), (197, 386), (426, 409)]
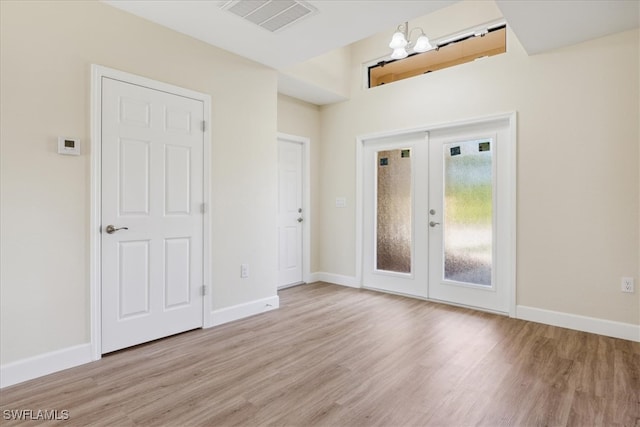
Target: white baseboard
[(44, 364), (593, 325), (626, 331), (240, 311), (336, 279), (48, 363), (59, 360)]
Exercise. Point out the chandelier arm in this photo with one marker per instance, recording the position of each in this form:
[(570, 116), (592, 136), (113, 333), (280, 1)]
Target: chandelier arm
[(411, 32), (404, 29)]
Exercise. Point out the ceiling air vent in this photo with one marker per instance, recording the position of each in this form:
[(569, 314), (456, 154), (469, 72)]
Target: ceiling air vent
[(272, 15)]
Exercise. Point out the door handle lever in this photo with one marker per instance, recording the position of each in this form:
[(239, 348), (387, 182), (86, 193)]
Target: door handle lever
[(433, 223), (111, 229), (300, 219)]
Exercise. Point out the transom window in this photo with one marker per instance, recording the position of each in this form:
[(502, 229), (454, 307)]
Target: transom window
[(449, 53)]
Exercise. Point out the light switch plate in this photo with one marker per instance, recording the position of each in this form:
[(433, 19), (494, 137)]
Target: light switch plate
[(628, 285)]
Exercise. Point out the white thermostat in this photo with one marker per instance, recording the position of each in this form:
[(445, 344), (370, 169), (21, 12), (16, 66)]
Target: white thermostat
[(69, 146)]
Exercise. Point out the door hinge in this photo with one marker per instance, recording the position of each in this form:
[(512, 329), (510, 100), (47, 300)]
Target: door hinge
[(203, 290), (203, 208), (204, 126)]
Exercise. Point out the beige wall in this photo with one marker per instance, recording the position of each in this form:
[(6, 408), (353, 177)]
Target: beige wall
[(46, 52), (300, 118), (578, 151), (329, 71)]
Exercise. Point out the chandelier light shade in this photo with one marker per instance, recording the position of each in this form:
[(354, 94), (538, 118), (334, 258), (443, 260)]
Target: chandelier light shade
[(400, 42), (399, 53), (422, 44)]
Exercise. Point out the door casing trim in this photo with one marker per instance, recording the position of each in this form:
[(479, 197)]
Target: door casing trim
[(511, 118), (95, 237)]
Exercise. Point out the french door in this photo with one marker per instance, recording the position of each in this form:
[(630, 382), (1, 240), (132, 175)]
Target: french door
[(395, 238), (437, 215)]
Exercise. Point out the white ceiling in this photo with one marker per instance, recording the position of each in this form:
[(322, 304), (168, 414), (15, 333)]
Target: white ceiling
[(540, 25), (545, 25), (338, 23)]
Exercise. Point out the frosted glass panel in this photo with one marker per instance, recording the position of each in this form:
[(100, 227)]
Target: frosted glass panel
[(468, 212), (393, 246)]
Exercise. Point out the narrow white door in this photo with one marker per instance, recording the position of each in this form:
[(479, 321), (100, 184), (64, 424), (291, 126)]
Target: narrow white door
[(395, 199), (152, 221), (469, 216), (290, 212)]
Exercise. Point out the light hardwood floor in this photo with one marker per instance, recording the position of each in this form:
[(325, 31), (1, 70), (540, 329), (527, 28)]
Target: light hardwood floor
[(334, 356)]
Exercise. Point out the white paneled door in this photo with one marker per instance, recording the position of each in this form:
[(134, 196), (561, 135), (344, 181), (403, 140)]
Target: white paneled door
[(290, 212), (151, 212)]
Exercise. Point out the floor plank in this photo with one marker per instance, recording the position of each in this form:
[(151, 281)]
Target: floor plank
[(335, 356)]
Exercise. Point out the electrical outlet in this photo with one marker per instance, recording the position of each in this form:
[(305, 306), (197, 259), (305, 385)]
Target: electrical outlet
[(628, 285), (244, 271)]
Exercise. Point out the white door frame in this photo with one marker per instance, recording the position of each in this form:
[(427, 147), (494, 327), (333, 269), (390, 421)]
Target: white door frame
[(511, 117), (95, 255), (306, 200)]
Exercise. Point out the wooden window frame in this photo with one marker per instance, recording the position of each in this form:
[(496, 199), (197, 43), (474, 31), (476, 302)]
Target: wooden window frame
[(450, 52)]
